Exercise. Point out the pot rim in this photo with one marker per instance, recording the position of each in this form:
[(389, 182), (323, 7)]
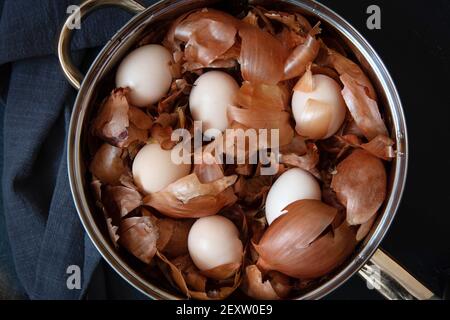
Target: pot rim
[(74, 160)]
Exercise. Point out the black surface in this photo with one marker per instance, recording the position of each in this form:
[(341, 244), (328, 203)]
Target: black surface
[(414, 44)]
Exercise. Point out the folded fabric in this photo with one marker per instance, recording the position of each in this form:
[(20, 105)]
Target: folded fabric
[(43, 230)]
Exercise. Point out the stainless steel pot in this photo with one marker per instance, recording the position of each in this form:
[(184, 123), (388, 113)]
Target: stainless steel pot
[(369, 261)]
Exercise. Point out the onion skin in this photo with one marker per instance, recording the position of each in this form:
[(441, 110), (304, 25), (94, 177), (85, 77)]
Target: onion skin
[(295, 22), (191, 282), (108, 165), (134, 134), (344, 65), (266, 52), (208, 35), (112, 232), (297, 146), (326, 71), (302, 56), (120, 124), (262, 56), (263, 96), (139, 118), (290, 39), (263, 106), (315, 120), (167, 104), (217, 64), (251, 18), (189, 198), (123, 199), (275, 288), (363, 108), (303, 222), (265, 119), (380, 146), (112, 121), (365, 228), (351, 128), (222, 272), (209, 171), (288, 245), (360, 185), (306, 82), (320, 258), (190, 273), (253, 190), (173, 235), (307, 161), (139, 235)]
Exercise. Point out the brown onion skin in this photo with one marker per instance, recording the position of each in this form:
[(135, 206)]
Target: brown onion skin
[(139, 235), (344, 65), (121, 198), (189, 198), (313, 238), (364, 110), (139, 118), (214, 28), (262, 56), (299, 59), (108, 164), (381, 146), (112, 120), (173, 235), (276, 287), (291, 245), (360, 185), (365, 228), (319, 259)]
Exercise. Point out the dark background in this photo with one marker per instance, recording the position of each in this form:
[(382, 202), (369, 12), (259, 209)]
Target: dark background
[(414, 43)]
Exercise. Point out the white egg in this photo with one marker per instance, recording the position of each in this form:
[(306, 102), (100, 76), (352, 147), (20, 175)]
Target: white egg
[(326, 91), (213, 92), (214, 241), (295, 184), (146, 71), (153, 168)]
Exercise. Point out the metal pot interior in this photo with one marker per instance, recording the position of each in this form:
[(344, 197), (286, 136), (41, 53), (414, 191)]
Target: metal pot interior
[(153, 22)]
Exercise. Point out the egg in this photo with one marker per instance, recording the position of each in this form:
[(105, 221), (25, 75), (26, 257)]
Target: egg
[(322, 123), (153, 168), (294, 184), (146, 71), (214, 241), (210, 97)]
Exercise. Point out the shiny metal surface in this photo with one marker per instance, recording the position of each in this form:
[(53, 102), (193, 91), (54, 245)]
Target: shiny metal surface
[(71, 72), (159, 15), (393, 281)]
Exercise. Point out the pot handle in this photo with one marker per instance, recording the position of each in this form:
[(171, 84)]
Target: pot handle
[(391, 280), (71, 72)]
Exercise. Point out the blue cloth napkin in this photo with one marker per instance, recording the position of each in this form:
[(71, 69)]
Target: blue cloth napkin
[(44, 235)]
